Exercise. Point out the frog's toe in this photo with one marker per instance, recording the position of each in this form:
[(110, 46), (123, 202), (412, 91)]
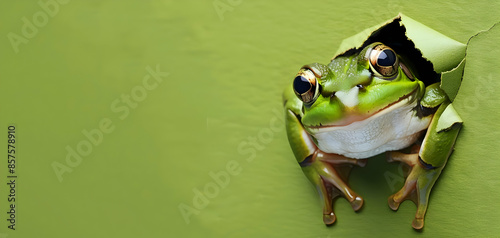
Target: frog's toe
[(329, 219), (395, 156), (409, 159), (418, 223), (361, 162), (390, 156), (393, 204), (357, 203)]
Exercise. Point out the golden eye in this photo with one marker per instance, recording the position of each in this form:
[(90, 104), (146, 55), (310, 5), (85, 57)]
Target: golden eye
[(383, 61), (305, 86)]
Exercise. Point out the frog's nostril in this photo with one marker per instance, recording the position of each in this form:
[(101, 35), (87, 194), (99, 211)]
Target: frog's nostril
[(361, 87)]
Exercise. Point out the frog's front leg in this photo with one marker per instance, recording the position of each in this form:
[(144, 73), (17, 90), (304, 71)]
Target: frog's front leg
[(428, 162), (322, 169)]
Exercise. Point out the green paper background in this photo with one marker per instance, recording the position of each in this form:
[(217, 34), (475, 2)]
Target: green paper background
[(219, 106)]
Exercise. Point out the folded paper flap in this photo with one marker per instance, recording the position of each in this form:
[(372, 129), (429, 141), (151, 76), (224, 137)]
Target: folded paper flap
[(444, 52), (451, 80), (449, 118)]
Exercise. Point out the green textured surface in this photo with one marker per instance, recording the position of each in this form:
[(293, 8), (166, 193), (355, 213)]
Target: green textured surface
[(219, 105)]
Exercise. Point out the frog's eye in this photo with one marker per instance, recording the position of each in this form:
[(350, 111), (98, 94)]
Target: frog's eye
[(306, 86), (383, 61)]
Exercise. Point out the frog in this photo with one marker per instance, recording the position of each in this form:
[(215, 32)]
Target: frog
[(365, 102)]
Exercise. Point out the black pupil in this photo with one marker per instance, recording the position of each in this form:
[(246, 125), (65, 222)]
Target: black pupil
[(301, 84), (386, 58)]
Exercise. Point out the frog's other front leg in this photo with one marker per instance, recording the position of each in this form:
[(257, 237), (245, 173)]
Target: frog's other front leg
[(324, 170), (427, 164)]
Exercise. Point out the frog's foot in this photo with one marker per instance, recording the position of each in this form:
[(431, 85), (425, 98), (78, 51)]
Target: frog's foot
[(334, 170), (328, 216), (417, 186), (331, 192)]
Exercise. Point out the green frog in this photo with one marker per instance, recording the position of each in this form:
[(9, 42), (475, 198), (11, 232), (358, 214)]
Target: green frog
[(363, 103)]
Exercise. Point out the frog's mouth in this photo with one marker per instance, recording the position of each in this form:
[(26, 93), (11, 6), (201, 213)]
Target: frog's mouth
[(402, 101)]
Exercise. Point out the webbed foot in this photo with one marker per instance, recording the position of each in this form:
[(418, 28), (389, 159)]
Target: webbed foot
[(417, 186), (330, 172)]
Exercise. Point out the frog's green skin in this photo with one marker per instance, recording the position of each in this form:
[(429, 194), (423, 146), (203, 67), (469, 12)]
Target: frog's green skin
[(357, 110)]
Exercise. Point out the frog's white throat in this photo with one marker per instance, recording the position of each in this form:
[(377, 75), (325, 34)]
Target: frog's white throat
[(393, 128)]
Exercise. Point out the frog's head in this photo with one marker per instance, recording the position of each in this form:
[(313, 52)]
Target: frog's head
[(354, 87)]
